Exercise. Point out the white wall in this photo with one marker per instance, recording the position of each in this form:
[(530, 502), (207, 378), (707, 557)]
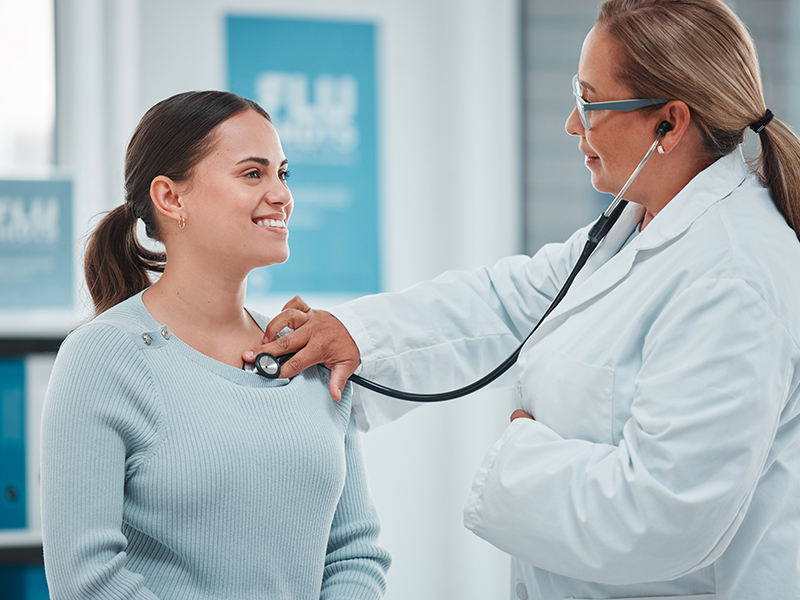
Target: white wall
[(450, 198)]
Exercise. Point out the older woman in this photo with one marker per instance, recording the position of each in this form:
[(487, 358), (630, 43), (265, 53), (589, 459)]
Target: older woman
[(656, 448), (168, 470)]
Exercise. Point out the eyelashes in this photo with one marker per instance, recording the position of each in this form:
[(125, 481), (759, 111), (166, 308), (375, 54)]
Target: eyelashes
[(256, 174)]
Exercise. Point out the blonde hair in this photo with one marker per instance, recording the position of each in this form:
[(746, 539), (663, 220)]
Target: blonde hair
[(699, 52)]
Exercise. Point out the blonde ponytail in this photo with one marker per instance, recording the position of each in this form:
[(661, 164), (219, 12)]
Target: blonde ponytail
[(778, 165)]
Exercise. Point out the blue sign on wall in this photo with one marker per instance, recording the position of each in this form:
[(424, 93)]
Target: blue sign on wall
[(36, 244), (316, 79)]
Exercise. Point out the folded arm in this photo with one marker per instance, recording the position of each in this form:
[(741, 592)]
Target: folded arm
[(667, 499)]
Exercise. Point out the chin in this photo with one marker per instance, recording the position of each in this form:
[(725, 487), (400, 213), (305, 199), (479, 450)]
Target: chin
[(604, 186), (599, 185), (280, 258)]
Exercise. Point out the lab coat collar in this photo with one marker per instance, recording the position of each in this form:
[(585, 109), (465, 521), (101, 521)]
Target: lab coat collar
[(707, 188), (600, 272)]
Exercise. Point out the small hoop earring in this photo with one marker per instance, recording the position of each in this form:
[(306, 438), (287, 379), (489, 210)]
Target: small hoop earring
[(660, 151), (182, 223)]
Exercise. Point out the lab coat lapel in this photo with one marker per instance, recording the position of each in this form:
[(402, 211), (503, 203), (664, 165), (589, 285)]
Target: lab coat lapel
[(601, 273), (614, 240)]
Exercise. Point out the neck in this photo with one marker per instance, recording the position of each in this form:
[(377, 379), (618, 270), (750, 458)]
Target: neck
[(675, 170), (191, 298)]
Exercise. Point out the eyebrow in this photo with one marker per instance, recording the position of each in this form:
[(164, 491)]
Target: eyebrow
[(586, 86), (262, 161)]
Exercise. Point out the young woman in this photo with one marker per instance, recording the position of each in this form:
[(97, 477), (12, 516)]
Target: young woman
[(168, 470), (664, 458)]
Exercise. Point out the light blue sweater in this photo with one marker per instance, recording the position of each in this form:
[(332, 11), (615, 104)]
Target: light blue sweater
[(167, 474)]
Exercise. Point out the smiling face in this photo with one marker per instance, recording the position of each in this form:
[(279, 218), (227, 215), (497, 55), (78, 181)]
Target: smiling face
[(237, 202), (617, 141)]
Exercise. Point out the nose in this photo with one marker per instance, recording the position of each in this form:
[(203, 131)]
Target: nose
[(573, 126), (278, 194)]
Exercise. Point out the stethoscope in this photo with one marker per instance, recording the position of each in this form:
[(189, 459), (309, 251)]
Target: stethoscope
[(270, 366)]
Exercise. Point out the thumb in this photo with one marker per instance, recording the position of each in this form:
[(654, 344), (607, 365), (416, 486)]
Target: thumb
[(339, 375)]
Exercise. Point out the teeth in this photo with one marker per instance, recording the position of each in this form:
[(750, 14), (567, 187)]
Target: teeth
[(271, 223)]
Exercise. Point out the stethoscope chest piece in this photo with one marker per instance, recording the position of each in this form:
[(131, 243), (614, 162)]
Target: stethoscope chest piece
[(268, 366)]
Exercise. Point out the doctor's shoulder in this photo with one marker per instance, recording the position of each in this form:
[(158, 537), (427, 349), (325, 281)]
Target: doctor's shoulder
[(763, 249)]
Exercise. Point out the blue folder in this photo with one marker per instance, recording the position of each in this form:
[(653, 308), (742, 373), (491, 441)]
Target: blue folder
[(13, 498)]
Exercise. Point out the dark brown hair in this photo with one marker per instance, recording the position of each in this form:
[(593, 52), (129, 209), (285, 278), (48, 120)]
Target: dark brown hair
[(699, 52), (172, 137)]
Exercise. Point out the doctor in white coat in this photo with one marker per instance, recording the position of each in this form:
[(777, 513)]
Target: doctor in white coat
[(656, 448)]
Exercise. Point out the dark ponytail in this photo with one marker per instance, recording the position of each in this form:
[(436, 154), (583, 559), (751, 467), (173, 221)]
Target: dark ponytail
[(172, 137), (116, 266)]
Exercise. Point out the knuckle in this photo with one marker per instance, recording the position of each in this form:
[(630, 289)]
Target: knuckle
[(293, 365)]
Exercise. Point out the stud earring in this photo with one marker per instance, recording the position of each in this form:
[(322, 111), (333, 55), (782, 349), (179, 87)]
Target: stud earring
[(660, 149), (182, 223)]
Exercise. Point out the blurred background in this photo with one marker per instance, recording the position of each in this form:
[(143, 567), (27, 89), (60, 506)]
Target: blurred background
[(424, 135)]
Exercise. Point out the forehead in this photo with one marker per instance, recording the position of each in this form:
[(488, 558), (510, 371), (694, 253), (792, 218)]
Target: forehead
[(247, 134), (600, 60)]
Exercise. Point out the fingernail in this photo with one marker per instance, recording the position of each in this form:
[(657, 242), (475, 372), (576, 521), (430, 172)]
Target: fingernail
[(249, 354)]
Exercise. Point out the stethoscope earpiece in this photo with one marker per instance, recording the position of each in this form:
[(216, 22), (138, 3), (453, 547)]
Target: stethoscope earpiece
[(663, 128)]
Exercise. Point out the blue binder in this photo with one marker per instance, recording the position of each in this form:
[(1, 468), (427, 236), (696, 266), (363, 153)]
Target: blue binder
[(23, 582), (13, 498)]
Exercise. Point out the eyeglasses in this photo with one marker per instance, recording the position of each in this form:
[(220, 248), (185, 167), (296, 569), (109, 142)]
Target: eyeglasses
[(619, 105)]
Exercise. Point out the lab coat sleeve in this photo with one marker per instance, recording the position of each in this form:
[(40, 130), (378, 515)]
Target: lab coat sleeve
[(89, 445), (355, 565), (665, 501), (446, 333)]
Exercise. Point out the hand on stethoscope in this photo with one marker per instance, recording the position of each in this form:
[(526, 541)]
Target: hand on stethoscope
[(340, 354)]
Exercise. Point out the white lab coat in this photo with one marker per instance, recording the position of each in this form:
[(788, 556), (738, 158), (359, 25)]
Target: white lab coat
[(665, 456)]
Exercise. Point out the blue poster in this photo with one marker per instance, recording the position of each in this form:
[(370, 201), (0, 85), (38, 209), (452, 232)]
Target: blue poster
[(36, 244), (316, 79)]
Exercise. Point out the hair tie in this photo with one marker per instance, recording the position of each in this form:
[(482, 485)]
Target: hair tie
[(132, 210), (759, 125)]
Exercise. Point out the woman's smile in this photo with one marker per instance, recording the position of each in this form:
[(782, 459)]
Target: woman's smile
[(271, 224)]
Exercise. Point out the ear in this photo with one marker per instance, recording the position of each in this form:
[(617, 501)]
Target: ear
[(167, 197), (677, 113)]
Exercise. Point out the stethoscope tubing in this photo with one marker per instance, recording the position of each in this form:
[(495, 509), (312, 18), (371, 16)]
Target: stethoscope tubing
[(270, 366)]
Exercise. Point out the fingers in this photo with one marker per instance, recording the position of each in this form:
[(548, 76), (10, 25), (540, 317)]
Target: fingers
[(297, 364), (297, 303), (292, 318), (317, 338), (291, 342), (521, 414)]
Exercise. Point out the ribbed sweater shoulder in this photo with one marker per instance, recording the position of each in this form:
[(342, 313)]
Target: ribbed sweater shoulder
[(203, 480)]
